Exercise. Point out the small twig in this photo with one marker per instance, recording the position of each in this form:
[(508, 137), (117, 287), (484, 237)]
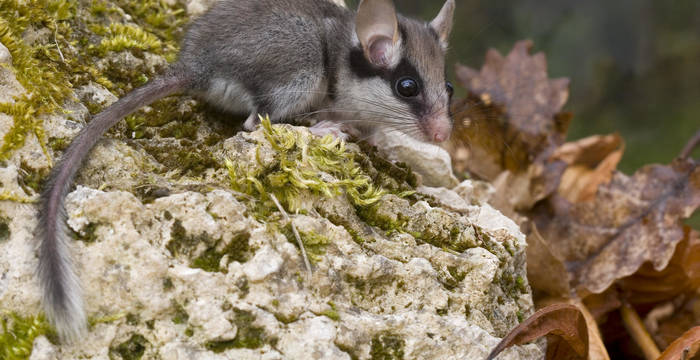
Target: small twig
[(639, 333), (294, 230), (55, 40), (690, 146)]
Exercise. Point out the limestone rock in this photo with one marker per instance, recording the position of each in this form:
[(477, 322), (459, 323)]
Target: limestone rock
[(430, 161), (5, 56)]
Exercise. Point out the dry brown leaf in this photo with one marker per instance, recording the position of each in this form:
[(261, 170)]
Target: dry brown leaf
[(682, 275), (596, 346), (684, 316), (631, 220), (592, 162), (600, 305), (589, 151), (685, 347), (510, 125), (546, 271), (565, 325)]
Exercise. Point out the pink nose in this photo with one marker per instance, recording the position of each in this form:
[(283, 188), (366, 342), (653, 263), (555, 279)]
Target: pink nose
[(438, 128), (440, 137)]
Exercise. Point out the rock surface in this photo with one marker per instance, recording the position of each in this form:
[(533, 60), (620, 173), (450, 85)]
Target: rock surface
[(183, 255)]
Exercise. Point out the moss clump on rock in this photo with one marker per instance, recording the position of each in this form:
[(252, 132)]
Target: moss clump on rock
[(387, 346), (183, 244), (238, 249), (303, 163), (65, 57), (248, 335), (132, 349), (18, 334)]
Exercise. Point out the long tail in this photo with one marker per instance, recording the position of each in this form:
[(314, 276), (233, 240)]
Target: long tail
[(62, 294)]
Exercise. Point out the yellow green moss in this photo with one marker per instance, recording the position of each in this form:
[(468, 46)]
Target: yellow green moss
[(248, 336), (301, 162), (183, 244), (18, 334), (315, 244), (132, 349), (64, 57), (387, 346), (120, 37), (238, 249), (181, 316), (10, 196), (331, 313)]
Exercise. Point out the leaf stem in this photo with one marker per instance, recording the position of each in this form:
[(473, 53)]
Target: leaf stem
[(639, 333), (690, 146)]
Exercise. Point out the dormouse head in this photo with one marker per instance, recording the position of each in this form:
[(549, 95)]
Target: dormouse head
[(401, 62)]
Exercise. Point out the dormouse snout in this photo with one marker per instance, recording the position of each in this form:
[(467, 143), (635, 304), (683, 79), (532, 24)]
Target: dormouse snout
[(438, 128)]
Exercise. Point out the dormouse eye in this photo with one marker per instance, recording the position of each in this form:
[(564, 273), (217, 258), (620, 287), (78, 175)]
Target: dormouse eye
[(407, 87), (450, 89)]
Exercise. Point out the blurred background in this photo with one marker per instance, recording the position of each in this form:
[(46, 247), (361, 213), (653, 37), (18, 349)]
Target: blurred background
[(634, 65)]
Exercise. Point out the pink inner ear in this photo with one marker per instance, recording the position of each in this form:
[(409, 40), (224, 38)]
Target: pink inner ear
[(379, 51)]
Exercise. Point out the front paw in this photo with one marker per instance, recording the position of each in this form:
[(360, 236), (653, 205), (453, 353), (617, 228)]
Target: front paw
[(332, 128)]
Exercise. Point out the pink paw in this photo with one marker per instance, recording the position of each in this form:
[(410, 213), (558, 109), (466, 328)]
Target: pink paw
[(324, 128)]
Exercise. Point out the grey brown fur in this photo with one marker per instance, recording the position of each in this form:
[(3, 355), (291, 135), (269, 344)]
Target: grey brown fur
[(284, 58)]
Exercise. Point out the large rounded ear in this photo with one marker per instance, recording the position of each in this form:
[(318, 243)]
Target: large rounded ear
[(442, 24), (377, 30)]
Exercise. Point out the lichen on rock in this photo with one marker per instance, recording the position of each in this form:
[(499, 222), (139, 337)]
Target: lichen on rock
[(180, 249)]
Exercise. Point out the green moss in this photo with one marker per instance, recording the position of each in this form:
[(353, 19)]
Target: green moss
[(120, 37), (387, 346), (168, 284), (299, 162), (58, 144), (248, 336), (18, 334), (237, 250), (188, 160), (31, 180), (52, 65), (183, 244), (182, 130), (286, 319), (133, 319), (315, 244), (4, 229), (351, 351), (456, 277), (331, 314), (87, 234), (180, 316), (132, 349)]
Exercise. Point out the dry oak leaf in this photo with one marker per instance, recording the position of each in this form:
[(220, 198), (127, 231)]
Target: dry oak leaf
[(682, 275), (565, 325), (510, 124), (676, 320), (685, 347), (546, 271), (630, 221), (592, 162)]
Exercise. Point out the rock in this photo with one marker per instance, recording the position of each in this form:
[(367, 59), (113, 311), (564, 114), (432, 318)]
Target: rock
[(430, 161), (43, 349), (5, 56)]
